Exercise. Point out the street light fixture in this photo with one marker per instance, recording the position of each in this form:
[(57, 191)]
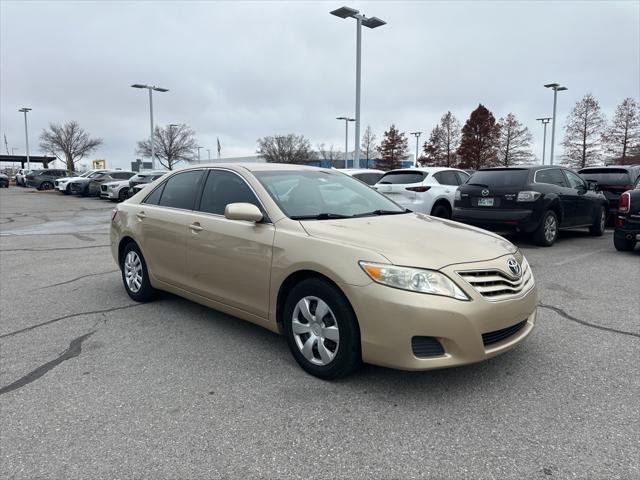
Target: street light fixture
[(25, 110), (556, 88), (151, 88), (544, 121), (346, 138), (372, 22), (417, 135)]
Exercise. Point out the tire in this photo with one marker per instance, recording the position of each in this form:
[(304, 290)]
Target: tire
[(122, 194), (599, 223), (46, 186), (327, 357), (624, 245), (547, 233), (441, 211), (134, 267)]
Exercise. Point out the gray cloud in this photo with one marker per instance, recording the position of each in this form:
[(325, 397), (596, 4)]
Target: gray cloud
[(241, 70)]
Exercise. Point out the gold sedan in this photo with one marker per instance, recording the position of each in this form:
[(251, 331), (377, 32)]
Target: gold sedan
[(342, 271)]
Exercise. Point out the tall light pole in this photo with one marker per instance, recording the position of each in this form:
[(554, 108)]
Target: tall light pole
[(25, 110), (151, 88), (417, 135), (346, 138), (556, 88), (544, 121), (372, 22), (199, 148)]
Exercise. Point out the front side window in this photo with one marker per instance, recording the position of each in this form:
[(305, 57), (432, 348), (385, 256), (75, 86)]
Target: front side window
[(447, 177), (552, 176), (462, 177), (180, 190), (221, 189), (323, 194), (574, 180)]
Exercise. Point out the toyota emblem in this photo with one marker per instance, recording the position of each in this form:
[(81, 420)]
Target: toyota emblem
[(485, 192), (514, 267)]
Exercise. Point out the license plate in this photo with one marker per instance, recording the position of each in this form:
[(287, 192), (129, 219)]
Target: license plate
[(485, 202)]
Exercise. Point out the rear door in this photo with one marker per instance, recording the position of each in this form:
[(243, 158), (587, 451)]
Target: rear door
[(164, 217), (568, 196), (394, 185), (229, 260)]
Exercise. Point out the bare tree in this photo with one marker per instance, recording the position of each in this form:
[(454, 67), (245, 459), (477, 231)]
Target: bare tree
[(368, 145), (328, 153), (443, 143), (514, 142), (622, 138), (172, 144), (69, 140), (479, 143), (288, 148), (583, 132)]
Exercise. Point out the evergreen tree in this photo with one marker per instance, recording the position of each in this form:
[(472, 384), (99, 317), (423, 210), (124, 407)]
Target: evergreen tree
[(393, 149), (479, 144)]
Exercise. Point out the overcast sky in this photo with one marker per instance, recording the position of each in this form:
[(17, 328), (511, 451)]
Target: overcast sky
[(242, 70)]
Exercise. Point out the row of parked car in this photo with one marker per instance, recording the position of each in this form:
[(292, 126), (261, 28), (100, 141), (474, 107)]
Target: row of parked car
[(537, 200)]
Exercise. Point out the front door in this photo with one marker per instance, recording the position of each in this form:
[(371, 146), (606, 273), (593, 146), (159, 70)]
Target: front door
[(230, 260), (584, 205)]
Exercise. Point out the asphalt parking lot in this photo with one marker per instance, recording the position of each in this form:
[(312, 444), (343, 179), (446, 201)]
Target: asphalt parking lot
[(93, 385)]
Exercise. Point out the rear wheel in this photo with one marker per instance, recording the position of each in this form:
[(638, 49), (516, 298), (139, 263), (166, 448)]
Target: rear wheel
[(135, 275), (624, 244), (321, 329), (599, 223), (441, 211), (122, 194), (547, 233), (46, 186)]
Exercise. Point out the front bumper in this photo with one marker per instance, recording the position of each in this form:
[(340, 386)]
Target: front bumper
[(520, 219), (110, 193), (389, 318)]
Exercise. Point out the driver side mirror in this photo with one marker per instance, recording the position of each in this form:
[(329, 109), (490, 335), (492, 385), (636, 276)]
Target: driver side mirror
[(243, 211)]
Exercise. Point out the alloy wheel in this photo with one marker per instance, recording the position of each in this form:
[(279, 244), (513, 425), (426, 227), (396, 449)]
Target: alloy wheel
[(603, 219), (133, 271), (550, 228), (315, 330)]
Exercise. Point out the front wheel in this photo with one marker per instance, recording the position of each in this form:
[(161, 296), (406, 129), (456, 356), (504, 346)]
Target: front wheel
[(599, 223), (322, 330), (46, 186), (135, 275), (624, 244), (547, 233)]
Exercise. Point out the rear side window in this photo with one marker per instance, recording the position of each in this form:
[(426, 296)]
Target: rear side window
[(499, 177), (447, 177), (223, 188), (154, 198), (180, 190), (551, 176), (607, 176), (574, 180), (462, 177), (403, 177), (122, 175)]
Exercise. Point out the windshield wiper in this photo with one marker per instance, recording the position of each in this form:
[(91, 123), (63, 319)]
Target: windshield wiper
[(383, 212), (478, 185), (320, 216)]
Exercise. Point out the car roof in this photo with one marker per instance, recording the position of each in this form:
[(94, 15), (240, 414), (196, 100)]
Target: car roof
[(255, 166), (425, 169), (521, 167), (351, 171), (606, 167)]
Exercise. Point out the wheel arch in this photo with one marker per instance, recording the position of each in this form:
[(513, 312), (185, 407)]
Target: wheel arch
[(124, 241)]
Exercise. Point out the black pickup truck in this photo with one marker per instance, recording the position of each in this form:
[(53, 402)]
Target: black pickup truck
[(627, 232)]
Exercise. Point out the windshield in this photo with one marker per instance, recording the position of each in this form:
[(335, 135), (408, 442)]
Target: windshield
[(403, 177), (85, 174), (608, 176), (324, 194), (94, 174), (499, 177)]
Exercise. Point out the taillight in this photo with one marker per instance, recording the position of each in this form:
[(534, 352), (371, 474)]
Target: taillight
[(624, 202), (418, 189), (114, 212)]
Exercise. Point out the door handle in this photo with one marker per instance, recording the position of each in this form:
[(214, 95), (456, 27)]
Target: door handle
[(141, 215), (195, 227)]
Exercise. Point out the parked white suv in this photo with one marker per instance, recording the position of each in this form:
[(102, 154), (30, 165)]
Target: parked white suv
[(429, 190), (115, 191)]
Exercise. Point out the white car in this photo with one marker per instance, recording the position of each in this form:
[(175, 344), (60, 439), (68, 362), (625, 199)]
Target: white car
[(115, 191), (429, 190), (370, 176), (63, 184), (21, 177)]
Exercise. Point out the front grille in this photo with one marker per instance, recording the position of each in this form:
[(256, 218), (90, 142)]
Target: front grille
[(103, 188), (496, 285), (499, 335), (56, 183), (424, 347)]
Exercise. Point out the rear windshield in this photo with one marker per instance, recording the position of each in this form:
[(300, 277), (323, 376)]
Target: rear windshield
[(607, 176), (499, 177), (403, 176)]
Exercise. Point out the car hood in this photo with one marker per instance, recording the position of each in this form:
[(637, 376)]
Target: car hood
[(414, 239)]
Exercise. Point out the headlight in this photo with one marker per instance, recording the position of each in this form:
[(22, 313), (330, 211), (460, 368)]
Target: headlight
[(457, 195), (528, 196), (413, 279)]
